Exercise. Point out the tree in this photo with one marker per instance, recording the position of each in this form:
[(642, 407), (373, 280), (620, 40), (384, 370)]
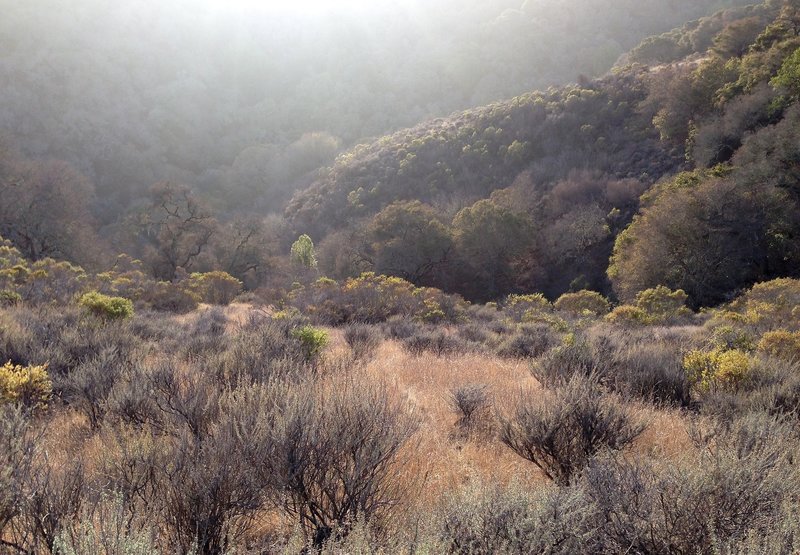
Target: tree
[(302, 252), (490, 240), (45, 209), (709, 237), (408, 240), (177, 228)]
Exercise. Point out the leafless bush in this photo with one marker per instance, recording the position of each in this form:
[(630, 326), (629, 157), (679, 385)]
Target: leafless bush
[(472, 402), (334, 455), (561, 431), (55, 494), (437, 342), (88, 387), (509, 521), (529, 341), (17, 449), (737, 489), (363, 340)]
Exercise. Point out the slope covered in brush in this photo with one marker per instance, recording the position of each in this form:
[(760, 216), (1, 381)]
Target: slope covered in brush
[(532, 193)]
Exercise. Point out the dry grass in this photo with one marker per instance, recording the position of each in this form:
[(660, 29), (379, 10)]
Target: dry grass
[(426, 381)]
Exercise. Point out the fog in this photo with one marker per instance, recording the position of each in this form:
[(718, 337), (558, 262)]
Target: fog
[(243, 101)]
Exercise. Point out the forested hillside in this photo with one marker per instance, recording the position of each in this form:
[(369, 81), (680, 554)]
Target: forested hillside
[(242, 105), (532, 194), (563, 323)]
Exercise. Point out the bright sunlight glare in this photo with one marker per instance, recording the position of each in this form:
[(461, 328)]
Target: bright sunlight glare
[(303, 7)]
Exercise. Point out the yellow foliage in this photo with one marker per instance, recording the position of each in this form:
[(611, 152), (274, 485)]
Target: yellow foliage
[(781, 344), (584, 303), (29, 386), (627, 315), (718, 367)]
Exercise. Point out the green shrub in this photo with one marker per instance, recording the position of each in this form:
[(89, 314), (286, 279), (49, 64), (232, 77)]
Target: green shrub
[(106, 307), (27, 386), (583, 303), (627, 315), (9, 298), (661, 304), (781, 344), (707, 369), (312, 339), (215, 287)]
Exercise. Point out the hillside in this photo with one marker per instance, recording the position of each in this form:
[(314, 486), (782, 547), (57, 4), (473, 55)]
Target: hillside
[(564, 170), (563, 324)]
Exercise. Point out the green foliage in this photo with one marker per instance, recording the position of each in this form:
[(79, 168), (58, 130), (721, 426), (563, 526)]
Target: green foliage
[(662, 304), (27, 386), (627, 315), (312, 339), (788, 77), (720, 367), (9, 298), (302, 252), (107, 307), (583, 303), (781, 344), (215, 287)]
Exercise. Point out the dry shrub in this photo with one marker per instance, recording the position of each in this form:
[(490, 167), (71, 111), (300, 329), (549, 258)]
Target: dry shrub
[(736, 489), (529, 341), (472, 403), (363, 340), (561, 431), (334, 454), (437, 342), (513, 520)]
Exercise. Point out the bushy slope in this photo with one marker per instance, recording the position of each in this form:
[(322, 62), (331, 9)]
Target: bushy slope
[(571, 162)]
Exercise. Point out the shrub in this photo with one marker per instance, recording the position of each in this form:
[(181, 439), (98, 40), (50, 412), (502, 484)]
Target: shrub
[(562, 431), (558, 366), (781, 344), (9, 298), (529, 341), (583, 303), (627, 315), (312, 339), (707, 369), (106, 307), (363, 340), (526, 307), (662, 304), (472, 403), (215, 287), (17, 450), (651, 372), (737, 489), (437, 342), (334, 452), (168, 297), (513, 520), (26, 386)]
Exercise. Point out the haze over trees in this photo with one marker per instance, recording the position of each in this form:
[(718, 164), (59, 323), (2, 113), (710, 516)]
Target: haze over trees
[(300, 279)]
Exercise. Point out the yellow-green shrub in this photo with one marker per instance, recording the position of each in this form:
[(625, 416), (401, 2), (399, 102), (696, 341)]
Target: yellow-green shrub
[(781, 344), (627, 315), (718, 367), (583, 303), (107, 307), (662, 304), (215, 287), (525, 307), (29, 386), (312, 339)]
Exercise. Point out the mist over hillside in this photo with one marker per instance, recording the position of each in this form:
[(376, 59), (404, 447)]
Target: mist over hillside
[(242, 103)]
